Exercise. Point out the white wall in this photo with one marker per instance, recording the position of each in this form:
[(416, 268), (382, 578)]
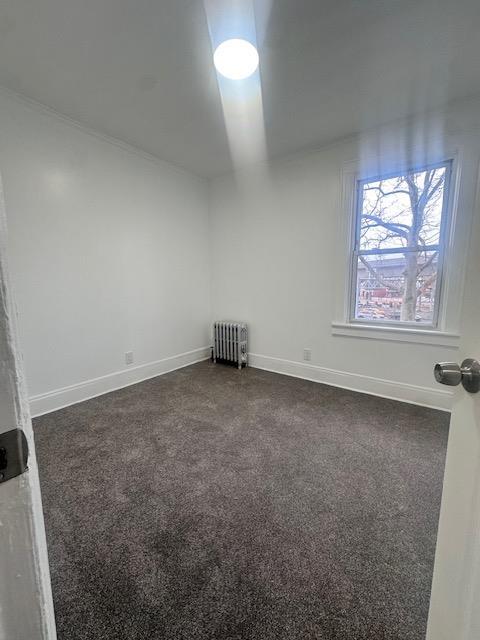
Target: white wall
[(111, 251), (108, 252), (279, 259)]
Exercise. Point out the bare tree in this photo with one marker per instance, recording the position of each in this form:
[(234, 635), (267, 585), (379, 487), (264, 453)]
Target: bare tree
[(404, 213)]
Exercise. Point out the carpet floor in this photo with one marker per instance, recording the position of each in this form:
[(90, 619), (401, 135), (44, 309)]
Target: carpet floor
[(211, 503)]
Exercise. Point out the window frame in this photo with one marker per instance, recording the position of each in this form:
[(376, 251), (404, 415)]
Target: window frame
[(441, 247)]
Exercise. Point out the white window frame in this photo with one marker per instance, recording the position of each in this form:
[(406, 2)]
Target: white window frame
[(461, 200), (440, 247)]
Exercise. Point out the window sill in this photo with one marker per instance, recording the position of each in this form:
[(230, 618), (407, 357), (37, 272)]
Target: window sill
[(396, 334)]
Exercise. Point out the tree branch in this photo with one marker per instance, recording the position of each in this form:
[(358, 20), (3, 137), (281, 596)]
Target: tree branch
[(379, 279), (384, 194), (421, 290), (397, 227), (427, 263)]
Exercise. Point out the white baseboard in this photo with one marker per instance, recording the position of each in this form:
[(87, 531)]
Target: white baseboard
[(59, 398), (424, 396)]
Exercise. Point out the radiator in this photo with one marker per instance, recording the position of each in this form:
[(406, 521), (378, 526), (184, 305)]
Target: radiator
[(230, 342)]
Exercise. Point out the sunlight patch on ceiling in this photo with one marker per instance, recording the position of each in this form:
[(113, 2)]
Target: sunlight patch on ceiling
[(241, 97)]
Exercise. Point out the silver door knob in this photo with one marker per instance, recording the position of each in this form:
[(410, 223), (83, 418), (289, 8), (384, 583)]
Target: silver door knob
[(451, 374)]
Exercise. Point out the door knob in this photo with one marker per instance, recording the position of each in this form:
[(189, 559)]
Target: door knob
[(451, 374)]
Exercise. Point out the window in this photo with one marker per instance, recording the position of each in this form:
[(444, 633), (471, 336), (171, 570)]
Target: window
[(398, 249)]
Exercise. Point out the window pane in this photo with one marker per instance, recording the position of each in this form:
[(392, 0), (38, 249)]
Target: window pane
[(396, 287), (402, 211)]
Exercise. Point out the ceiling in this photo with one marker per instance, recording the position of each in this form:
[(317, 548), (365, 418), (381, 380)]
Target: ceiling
[(141, 70)]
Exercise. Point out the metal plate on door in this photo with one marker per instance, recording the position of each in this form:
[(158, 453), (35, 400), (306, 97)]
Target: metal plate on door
[(13, 454)]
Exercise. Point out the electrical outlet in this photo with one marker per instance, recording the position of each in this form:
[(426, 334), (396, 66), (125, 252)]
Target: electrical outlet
[(307, 354), (129, 357)]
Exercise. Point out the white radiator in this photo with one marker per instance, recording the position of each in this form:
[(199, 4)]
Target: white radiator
[(230, 342)]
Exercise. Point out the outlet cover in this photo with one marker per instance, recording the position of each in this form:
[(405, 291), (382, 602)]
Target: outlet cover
[(307, 354), (129, 357)]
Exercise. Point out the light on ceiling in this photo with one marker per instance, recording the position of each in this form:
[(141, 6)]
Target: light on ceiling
[(236, 59)]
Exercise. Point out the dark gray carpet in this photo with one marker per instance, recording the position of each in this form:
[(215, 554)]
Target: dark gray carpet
[(216, 503)]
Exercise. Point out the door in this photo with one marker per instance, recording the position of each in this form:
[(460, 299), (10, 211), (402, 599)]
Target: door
[(26, 610), (455, 602)]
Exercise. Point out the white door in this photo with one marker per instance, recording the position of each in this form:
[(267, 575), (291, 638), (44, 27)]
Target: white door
[(26, 610), (455, 601)]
